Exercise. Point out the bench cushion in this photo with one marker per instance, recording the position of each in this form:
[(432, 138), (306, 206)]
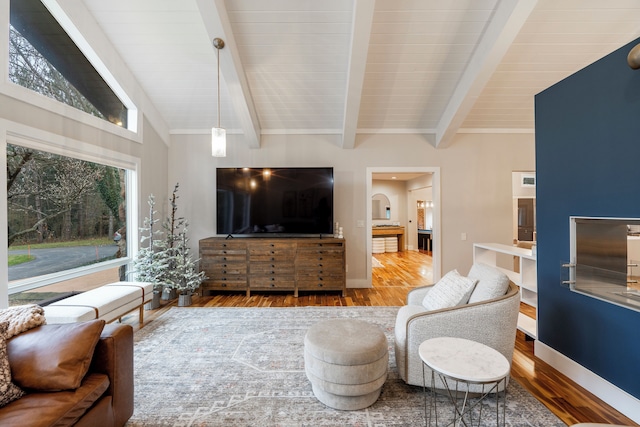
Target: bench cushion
[(145, 289), (67, 314), (108, 302)]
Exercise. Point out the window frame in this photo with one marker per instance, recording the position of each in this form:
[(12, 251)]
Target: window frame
[(8, 88), (18, 134)]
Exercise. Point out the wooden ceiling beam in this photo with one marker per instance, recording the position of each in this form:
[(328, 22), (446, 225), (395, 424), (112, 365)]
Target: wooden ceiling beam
[(361, 31), (507, 20)]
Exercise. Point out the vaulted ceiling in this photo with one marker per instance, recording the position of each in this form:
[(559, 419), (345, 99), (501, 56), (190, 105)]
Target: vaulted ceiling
[(347, 67)]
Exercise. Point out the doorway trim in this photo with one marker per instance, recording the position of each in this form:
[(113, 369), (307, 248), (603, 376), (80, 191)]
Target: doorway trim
[(436, 236)]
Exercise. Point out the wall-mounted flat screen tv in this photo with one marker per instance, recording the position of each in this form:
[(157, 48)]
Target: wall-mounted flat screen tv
[(274, 201)]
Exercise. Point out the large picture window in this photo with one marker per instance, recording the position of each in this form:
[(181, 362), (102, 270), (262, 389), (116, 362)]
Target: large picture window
[(63, 214)]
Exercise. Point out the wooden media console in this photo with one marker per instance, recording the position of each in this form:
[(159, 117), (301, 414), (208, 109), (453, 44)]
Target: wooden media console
[(273, 264)]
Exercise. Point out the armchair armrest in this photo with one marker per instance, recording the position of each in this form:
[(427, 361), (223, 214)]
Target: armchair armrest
[(113, 356), (416, 295), (491, 322)]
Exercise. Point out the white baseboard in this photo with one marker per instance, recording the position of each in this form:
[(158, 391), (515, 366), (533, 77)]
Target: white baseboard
[(614, 396), (358, 283)]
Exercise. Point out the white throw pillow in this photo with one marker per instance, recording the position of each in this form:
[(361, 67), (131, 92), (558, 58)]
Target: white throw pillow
[(453, 289), (492, 283)]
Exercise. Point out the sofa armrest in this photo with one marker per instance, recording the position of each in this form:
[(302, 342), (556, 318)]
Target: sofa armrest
[(416, 295), (114, 357)]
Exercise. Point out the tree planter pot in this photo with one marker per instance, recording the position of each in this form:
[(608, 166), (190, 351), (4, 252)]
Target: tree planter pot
[(184, 300), (155, 301), (169, 293)]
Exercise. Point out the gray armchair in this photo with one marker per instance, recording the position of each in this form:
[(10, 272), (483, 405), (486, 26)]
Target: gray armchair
[(491, 322)]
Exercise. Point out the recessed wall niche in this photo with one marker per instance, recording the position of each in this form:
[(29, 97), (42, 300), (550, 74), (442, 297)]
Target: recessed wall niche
[(605, 259)]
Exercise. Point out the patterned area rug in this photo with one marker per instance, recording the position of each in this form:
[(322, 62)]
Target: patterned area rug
[(245, 367)]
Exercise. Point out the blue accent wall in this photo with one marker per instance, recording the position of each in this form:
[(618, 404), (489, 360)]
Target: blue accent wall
[(588, 164)]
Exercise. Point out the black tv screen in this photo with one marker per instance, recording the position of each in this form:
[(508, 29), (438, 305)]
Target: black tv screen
[(284, 201)]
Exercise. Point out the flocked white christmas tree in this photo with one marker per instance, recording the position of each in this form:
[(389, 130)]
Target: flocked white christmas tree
[(184, 274), (151, 262), (182, 270), (167, 262)]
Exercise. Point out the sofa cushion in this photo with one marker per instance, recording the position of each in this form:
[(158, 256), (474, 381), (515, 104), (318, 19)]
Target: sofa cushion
[(451, 290), (8, 390), (54, 357), (492, 283), (62, 408)]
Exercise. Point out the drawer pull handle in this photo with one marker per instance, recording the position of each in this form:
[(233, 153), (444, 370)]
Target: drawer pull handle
[(224, 285)]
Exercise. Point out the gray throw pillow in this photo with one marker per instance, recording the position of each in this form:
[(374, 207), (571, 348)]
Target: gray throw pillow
[(492, 283), (453, 289)]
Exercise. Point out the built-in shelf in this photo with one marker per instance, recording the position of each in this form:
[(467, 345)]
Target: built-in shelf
[(524, 274)]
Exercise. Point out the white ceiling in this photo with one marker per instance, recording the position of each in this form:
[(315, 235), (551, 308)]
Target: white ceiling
[(433, 67)]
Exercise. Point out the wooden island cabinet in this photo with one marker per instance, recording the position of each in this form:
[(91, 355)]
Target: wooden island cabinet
[(273, 264)]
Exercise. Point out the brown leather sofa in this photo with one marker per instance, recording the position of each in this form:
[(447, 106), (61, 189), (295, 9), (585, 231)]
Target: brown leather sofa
[(104, 396)]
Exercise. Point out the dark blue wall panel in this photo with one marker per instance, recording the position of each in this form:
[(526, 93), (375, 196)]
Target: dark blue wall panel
[(588, 164)]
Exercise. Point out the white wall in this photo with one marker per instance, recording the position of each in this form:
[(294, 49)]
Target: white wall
[(476, 172)]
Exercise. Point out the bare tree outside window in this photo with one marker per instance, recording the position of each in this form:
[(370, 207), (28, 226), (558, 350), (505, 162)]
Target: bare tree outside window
[(29, 68), (57, 200)]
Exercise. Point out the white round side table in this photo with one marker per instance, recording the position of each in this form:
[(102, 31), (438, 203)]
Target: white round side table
[(460, 361)]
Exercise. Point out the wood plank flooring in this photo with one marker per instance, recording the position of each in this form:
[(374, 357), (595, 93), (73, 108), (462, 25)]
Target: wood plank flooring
[(401, 272)]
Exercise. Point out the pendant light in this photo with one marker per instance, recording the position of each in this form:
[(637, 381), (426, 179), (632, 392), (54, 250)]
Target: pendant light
[(218, 134)]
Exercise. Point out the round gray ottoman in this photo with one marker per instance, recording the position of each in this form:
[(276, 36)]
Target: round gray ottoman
[(346, 361)]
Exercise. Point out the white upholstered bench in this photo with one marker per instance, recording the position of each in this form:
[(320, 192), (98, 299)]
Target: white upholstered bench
[(108, 302)]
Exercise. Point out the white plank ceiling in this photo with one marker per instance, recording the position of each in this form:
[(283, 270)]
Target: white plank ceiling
[(344, 67)]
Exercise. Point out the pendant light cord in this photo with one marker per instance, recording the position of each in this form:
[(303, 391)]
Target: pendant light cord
[(218, 87), (218, 44)]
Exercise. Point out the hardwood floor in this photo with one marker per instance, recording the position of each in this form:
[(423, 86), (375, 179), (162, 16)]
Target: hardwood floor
[(401, 272)]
